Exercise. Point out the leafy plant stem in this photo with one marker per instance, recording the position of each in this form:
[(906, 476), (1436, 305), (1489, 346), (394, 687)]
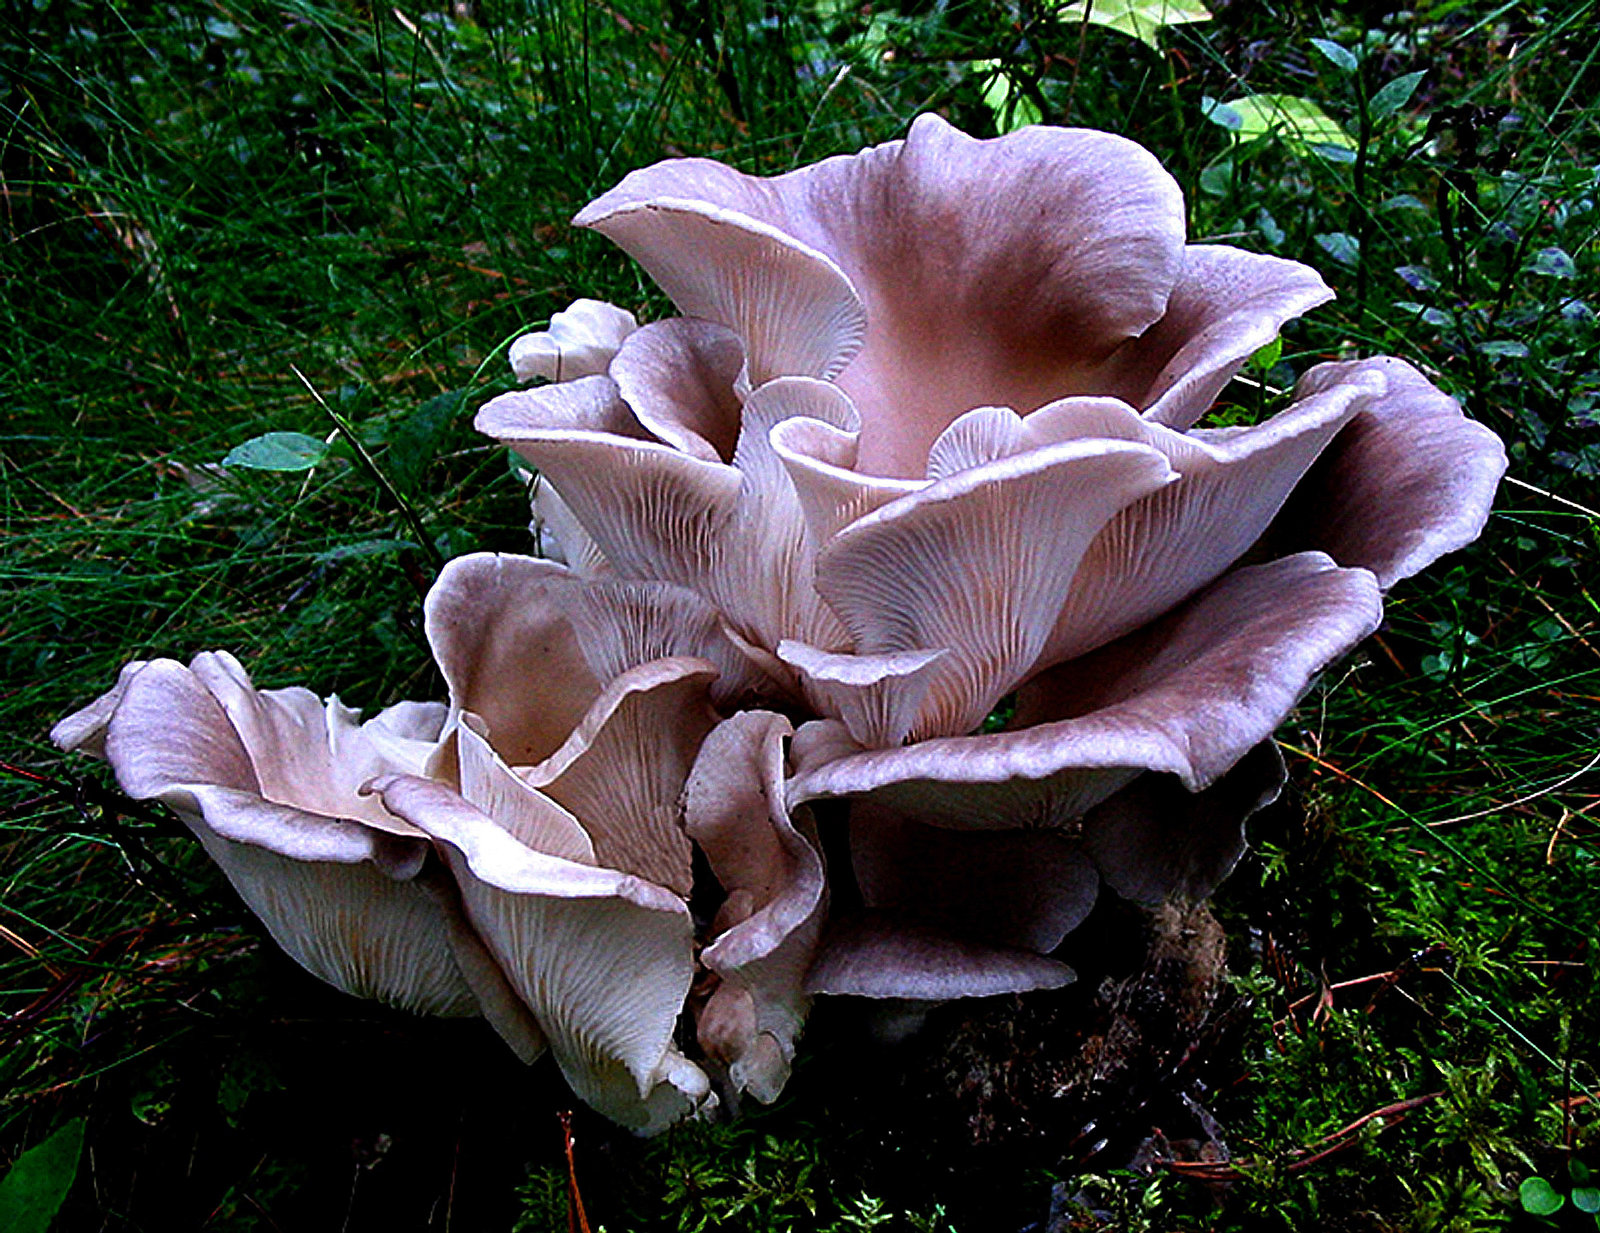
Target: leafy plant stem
[(413, 519), (1077, 60), (1362, 206)]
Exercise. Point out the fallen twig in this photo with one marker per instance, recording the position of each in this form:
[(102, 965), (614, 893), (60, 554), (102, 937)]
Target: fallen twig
[(577, 1220), (112, 808), (1302, 1158)]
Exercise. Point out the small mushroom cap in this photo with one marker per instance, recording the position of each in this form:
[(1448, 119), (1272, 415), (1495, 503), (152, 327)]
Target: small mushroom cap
[(768, 862), (876, 956), (580, 342)]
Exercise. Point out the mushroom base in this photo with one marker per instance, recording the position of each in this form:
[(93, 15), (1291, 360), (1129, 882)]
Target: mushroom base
[(1077, 1071), (1063, 1080)]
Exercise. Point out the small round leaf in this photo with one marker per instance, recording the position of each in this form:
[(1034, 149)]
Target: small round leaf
[(1540, 1198), (1221, 114), (278, 451), (1554, 263)]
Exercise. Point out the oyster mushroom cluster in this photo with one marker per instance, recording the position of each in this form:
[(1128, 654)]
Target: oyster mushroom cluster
[(905, 524)]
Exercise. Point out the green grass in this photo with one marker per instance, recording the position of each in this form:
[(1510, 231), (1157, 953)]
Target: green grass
[(200, 199)]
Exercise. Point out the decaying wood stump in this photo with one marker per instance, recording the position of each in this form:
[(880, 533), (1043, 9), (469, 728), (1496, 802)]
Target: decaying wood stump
[(1075, 1067), (1107, 1073)]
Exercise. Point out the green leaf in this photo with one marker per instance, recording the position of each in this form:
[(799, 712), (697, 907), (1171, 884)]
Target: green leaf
[(1299, 123), (416, 441), (366, 548), (1433, 316), (278, 451), (1011, 108), (33, 1191), (1586, 1199), (1554, 263), (1504, 348), (1403, 201), (1341, 246), (1418, 277), (1394, 95), (1221, 114), (1540, 1198), (1217, 179), (1139, 19), (1340, 55), (1268, 227), (1266, 357), (875, 42)]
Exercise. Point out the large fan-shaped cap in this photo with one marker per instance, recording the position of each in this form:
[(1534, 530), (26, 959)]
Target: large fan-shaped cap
[(1188, 695), (708, 505), (501, 632), (622, 770), (792, 306), (269, 781), (1155, 840), (1226, 306), (990, 270), (1160, 550), (526, 644), (977, 564), (601, 958), (678, 378), (1409, 480)]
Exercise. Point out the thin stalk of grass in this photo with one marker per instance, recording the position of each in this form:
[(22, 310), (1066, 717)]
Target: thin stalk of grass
[(404, 507)]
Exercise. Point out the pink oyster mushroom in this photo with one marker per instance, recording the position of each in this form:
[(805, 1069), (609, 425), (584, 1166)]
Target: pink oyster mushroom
[(922, 451), (926, 435), (516, 853)]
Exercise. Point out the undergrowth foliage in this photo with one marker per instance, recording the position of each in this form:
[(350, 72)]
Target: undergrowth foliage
[(326, 220)]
